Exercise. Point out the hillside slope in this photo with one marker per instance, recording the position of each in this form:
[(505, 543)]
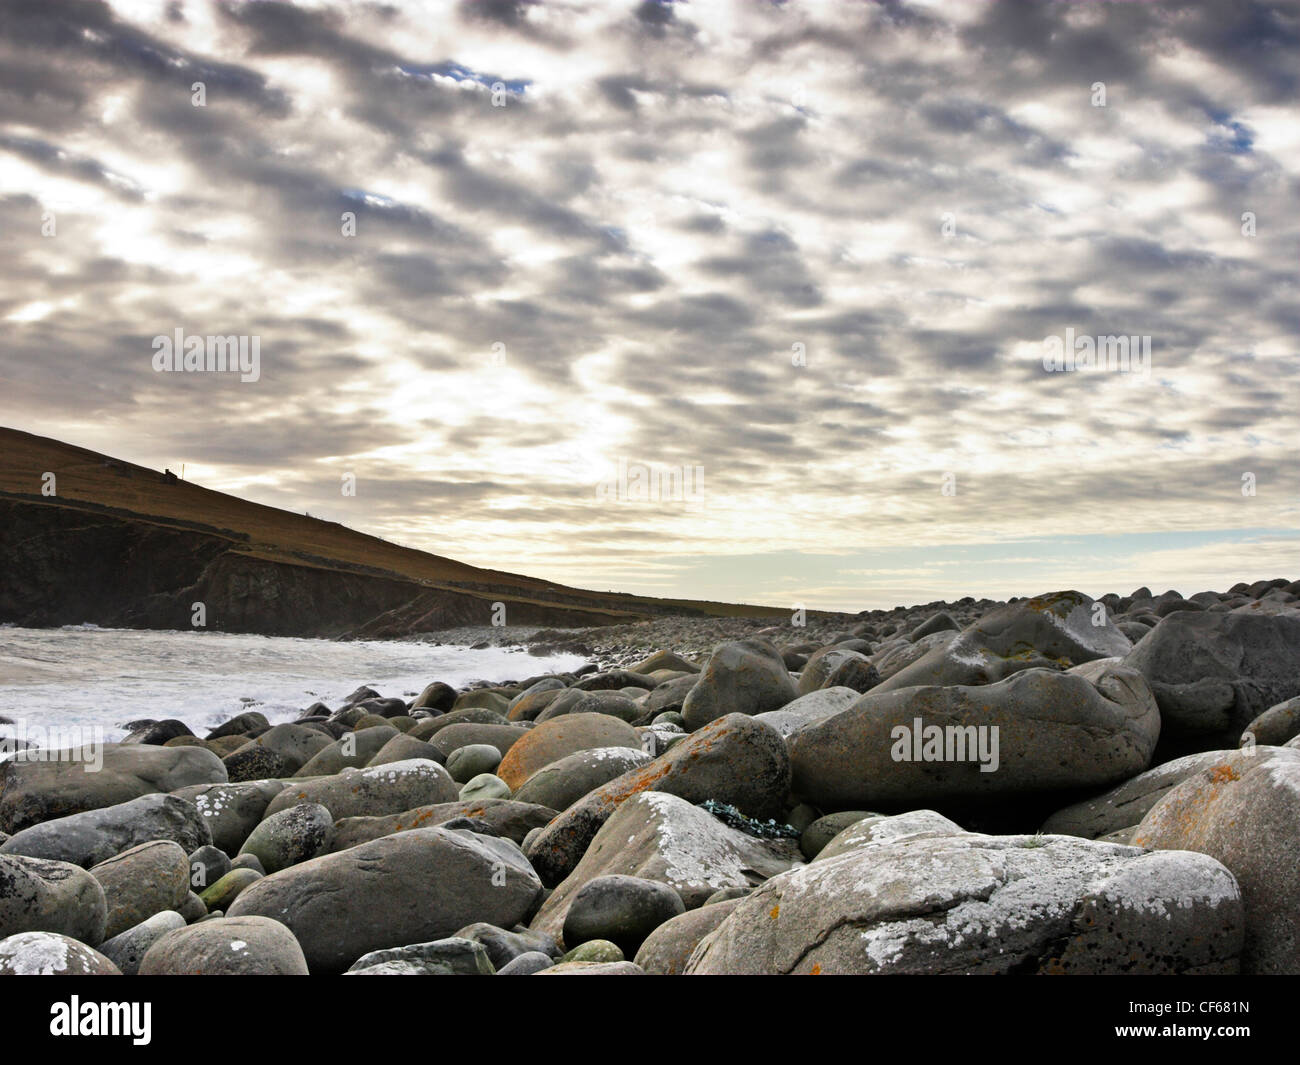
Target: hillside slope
[(124, 545)]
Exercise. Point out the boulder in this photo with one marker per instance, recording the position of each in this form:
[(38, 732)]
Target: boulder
[(431, 881), (291, 836), (960, 902), (51, 954), (660, 837), (740, 677), (1038, 730), (34, 792), (231, 811), (38, 895), (484, 786), (142, 881), (127, 949), (1244, 812), (836, 667), (735, 760), (552, 740), (444, 957), (1055, 631), (465, 763), (402, 748), (351, 751), (502, 737), (373, 791), (622, 909), (1213, 673), (280, 751), (563, 782), (248, 721), (218, 896), (817, 705), (668, 948), (1275, 726), (512, 819), (94, 836), (226, 946)]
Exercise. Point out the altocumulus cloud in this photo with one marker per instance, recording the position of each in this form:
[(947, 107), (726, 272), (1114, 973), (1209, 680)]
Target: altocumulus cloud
[(812, 248)]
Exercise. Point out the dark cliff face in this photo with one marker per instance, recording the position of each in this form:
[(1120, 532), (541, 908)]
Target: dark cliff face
[(65, 565)]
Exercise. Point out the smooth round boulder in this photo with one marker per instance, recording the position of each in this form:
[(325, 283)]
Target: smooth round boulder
[(142, 881), (373, 791), (127, 949), (291, 836), (562, 736), (465, 763), (621, 909), (562, 783), (740, 677), (484, 786), (226, 946)]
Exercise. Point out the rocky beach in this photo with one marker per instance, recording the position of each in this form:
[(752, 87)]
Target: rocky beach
[(1050, 785)]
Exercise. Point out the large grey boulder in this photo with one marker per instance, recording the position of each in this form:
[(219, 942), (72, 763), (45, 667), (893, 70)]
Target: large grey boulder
[(740, 677), (453, 956), (1037, 730), (37, 791), (1213, 673), (1053, 631), (411, 887), (1244, 811), (39, 895), (351, 751), (279, 752), (1275, 727), (970, 903), (899, 653), (668, 948), (833, 667), (373, 791), (94, 836), (232, 811), (142, 881), (226, 946), (552, 740), (735, 759), (660, 837)]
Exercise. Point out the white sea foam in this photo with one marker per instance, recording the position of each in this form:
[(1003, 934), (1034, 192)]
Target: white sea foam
[(87, 676)]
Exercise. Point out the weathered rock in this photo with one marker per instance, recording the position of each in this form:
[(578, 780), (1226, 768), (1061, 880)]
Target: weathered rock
[(292, 744), (668, 697), (622, 909), (34, 792), (232, 811), (504, 946), (824, 829), (817, 705), (437, 696), (403, 748), (734, 760), (526, 964), (373, 791), (443, 957), (1090, 727), (1212, 673), (207, 866), (740, 677), (144, 880), (428, 728), (668, 948), (431, 882), (1124, 807), (552, 740), (94, 836), (502, 737), (664, 660), (127, 949), (1275, 726), (291, 836), (38, 895), (159, 732), (968, 903), (899, 653), (564, 782), (1055, 631), (659, 837), (239, 724), (1244, 812), (226, 946), (512, 819), (351, 751), (593, 968), (51, 954), (836, 667)]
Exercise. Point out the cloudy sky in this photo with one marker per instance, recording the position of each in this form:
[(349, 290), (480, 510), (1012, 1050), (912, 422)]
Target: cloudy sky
[(807, 252)]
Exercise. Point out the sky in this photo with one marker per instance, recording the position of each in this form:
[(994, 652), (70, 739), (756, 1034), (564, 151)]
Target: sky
[(732, 300)]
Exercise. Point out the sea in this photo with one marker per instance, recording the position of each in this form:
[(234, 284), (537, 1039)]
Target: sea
[(85, 677)]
